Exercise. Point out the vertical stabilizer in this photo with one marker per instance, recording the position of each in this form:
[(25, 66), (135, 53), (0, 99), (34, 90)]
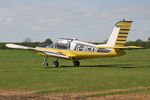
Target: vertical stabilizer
[(119, 34)]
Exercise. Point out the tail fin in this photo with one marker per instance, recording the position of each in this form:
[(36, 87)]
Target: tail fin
[(119, 34)]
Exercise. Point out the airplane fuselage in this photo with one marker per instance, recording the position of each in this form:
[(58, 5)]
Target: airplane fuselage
[(80, 50)]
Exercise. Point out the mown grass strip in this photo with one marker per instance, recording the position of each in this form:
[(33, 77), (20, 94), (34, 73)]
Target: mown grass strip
[(118, 92)]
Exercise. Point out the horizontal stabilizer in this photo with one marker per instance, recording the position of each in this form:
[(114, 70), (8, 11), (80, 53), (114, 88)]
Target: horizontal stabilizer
[(121, 47)]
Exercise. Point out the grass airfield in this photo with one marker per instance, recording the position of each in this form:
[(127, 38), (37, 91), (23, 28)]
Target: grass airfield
[(22, 71)]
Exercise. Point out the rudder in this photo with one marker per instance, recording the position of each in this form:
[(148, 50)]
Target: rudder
[(125, 27)]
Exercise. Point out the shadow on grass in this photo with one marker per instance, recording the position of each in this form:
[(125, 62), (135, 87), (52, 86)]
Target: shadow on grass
[(108, 66)]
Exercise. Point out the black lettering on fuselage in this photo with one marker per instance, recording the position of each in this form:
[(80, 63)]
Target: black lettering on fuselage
[(87, 48)]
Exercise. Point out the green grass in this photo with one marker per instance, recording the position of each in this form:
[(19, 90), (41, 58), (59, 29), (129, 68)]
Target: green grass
[(23, 71)]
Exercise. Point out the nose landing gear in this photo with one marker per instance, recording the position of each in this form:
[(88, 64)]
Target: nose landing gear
[(45, 63)]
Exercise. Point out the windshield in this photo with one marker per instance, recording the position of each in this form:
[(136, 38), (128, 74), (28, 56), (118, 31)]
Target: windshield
[(59, 45)]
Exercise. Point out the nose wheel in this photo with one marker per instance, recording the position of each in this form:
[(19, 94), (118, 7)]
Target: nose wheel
[(45, 63), (76, 63)]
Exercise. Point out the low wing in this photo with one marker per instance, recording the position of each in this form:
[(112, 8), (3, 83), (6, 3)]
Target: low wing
[(121, 47), (46, 52), (14, 46)]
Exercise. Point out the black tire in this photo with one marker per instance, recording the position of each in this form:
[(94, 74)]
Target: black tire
[(45, 64), (55, 64), (76, 63)]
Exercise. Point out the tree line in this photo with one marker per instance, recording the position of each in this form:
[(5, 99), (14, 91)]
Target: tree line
[(138, 42)]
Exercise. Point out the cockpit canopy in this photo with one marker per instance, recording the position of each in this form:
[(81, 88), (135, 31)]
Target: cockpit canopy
[(61, 43)]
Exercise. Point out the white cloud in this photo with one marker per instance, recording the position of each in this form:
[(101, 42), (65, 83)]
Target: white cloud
[(88, 14), (39, 28), (131, 9), (105, 15), (6, 21), (53, 20), (33, 14)]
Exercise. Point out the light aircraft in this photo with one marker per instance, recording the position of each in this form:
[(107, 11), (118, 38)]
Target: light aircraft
[(75, 50)]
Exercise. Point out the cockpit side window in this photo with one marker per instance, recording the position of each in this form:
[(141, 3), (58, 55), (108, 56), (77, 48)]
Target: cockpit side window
[(57, 45), (61, 46)]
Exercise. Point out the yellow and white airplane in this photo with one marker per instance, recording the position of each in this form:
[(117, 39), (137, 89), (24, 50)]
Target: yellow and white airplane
[(76, 50)]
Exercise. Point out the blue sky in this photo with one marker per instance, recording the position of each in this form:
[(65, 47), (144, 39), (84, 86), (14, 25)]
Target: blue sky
[(87, 20)]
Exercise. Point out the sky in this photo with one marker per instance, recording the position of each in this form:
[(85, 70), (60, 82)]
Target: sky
[(87, 20)]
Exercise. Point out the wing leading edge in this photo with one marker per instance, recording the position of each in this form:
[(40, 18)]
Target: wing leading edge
[(46, 52)]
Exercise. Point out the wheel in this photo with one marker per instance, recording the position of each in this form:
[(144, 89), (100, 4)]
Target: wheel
[(76, 63), (55, 64), (45, 64)]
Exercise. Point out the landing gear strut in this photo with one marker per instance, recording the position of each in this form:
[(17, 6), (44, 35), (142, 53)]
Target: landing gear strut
[(56, 63), (76, 63), (45, 63)]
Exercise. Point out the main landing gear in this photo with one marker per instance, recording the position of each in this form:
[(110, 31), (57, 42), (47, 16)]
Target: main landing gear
[(56, 63), (76, 63)]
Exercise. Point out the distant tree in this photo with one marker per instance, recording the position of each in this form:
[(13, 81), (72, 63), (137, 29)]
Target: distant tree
[(27, 40), (131, 43), (139, 42), (147, 44), (148, 39), (47, 41), (2, 46)]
